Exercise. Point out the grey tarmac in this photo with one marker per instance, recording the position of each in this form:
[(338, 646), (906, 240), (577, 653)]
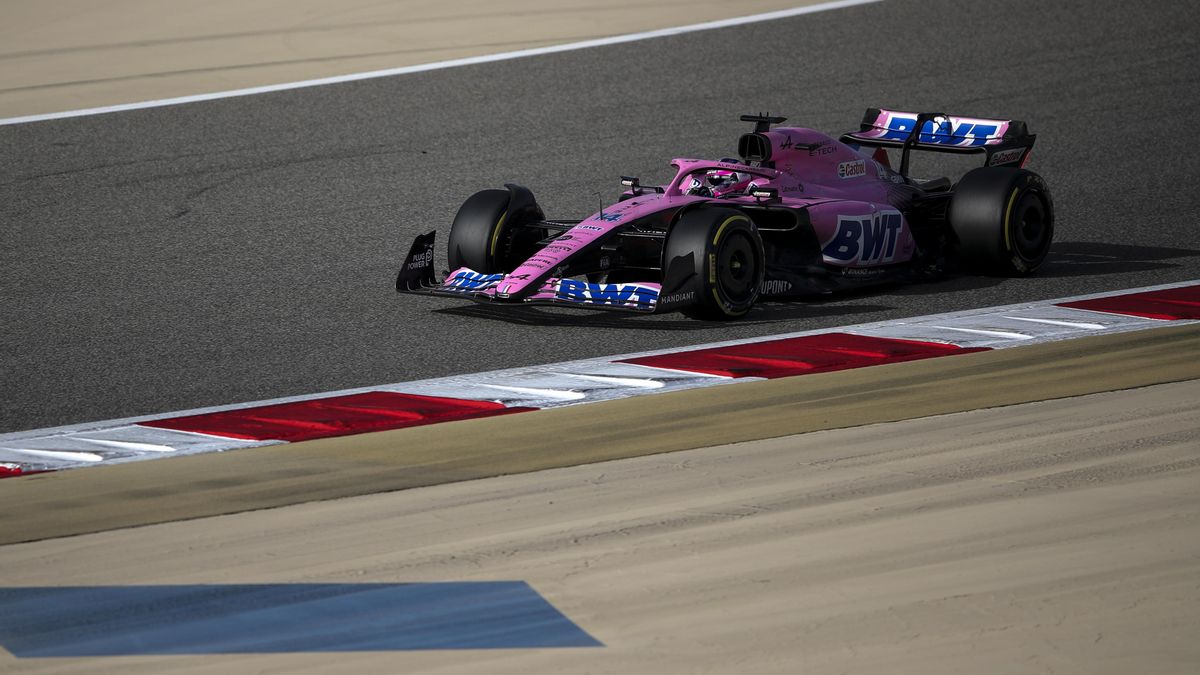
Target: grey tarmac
[(245, 249)]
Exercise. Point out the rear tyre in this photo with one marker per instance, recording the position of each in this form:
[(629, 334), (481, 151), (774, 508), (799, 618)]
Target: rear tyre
[(1003, 219), (727, 261), (488, 234)]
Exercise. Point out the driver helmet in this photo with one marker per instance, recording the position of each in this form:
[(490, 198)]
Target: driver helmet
[(720, 182)]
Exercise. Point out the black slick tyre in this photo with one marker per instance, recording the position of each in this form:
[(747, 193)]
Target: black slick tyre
[(487, 234), (1003, 219), (727, 260)]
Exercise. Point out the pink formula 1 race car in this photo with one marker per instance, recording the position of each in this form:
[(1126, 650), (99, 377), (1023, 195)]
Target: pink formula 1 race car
[(798, 214)]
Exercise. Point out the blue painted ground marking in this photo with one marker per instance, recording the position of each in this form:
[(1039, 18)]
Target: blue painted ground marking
[(280, 618)]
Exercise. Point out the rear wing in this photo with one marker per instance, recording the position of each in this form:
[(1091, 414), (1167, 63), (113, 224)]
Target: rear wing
[(1004, 142)]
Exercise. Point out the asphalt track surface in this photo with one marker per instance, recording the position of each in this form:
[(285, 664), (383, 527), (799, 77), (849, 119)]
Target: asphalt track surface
[(245, 248)]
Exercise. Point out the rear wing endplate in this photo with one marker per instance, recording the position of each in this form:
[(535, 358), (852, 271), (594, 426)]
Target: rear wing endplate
[(1004, 142)]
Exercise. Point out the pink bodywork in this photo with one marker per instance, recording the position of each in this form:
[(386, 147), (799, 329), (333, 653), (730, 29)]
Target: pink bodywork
[(843, 190)]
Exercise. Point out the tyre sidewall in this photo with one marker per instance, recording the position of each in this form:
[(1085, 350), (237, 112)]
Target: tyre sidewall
[(706, 234), (476, 231), (986, 212)]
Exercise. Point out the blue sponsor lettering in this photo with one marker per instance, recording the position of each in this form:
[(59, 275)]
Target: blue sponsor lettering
[(472, 280), (899, 128), (844, 245), (936, 130), (604, 294), (874, 234), (866, 239), (892, 221), (940, 131), (609, 217), (966, 133), (569, 289), (613, 294), (981, 132)]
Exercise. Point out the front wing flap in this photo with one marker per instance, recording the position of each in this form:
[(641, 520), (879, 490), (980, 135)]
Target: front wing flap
[(417, 276)]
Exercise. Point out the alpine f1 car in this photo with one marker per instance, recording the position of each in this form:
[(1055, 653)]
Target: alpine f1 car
[(799, 213)]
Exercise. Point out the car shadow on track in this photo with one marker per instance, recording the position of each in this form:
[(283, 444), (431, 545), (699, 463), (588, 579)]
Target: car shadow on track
[(952, 282), (1086, 258), (1066, 259), (764, 313)]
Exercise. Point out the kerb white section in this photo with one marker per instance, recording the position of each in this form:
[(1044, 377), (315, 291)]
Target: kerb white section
[(1010, 328), (110, 443), (575, 382)]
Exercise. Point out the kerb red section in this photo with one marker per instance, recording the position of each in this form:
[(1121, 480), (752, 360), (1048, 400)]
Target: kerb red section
[(1171, 304), (333, 416), (9, 470), (799, 356)]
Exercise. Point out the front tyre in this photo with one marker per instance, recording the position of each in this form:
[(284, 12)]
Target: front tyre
[(488, 234), (727, 260), (1003, 219)]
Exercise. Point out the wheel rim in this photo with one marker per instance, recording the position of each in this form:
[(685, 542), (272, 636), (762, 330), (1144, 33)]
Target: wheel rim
[(736, 267), (1030, 229)]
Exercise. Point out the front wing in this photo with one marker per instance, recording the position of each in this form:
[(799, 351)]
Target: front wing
[(417, 276)]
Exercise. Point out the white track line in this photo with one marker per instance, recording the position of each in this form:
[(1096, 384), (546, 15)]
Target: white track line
[(453, 63)]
